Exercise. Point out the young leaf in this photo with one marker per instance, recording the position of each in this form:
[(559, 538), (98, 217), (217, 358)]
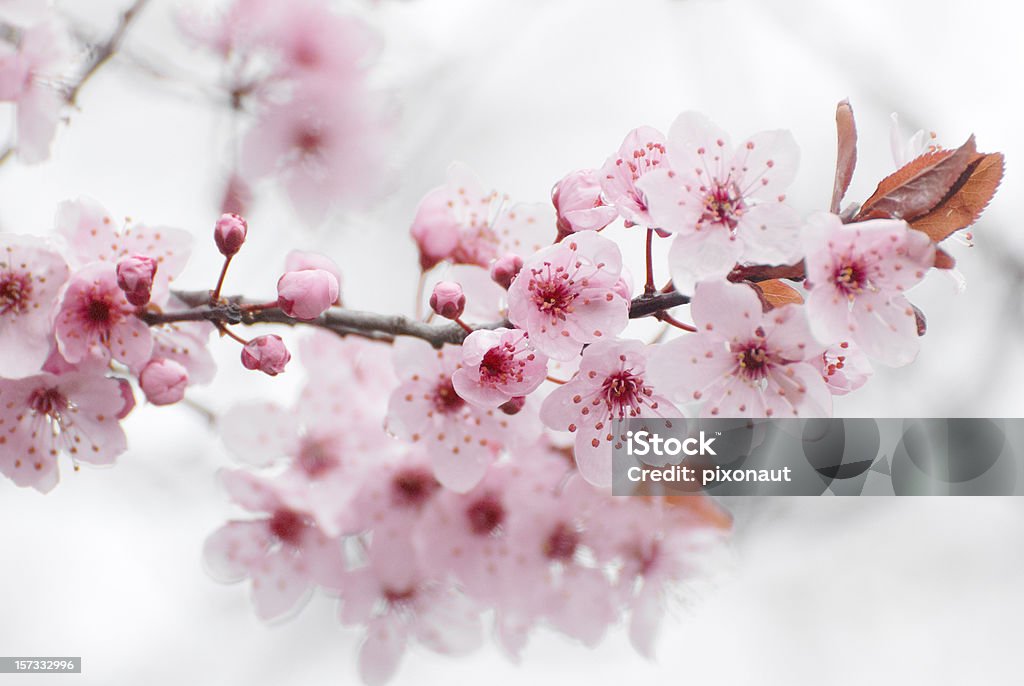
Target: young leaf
[(846, 156), (916, 188), (775, 293), (965, 201)]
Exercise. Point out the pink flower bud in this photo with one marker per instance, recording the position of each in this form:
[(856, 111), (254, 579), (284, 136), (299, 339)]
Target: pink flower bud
[(448, 300), (300, 259), (307, 293), (577, 200), (229, 234), (163, 381), (513, 405), (504, 269), (135, 277), (267, 354)]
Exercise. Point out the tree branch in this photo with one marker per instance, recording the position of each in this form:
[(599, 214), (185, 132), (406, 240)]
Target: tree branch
[(382, 327)]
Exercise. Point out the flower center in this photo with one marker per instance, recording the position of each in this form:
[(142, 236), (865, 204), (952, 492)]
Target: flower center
[(316, 458), (724, 205), (499, 365), (485, 515), (624, 392), (49, 402), (287, 526), (399, 596), (309, 140), (413, 486), (553, 293), (562, 543), (754, 361), (15, 290), (446, 400), (99, 312), (851, 278)]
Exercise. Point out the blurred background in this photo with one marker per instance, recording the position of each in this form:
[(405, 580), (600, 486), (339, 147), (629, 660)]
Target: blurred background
[(824, 590)]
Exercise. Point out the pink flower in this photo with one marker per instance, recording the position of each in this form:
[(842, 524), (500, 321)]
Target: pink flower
[(857, 274), (284, 553), (43, 417), (844, 368), (31, 276), (135, 277), (566, 295), (612, 383), (578, 203), (725, 206), (463, 223), (497, 366), (96, 321), (29, 77), (266, 353), (460, 438), (164, 382), (398, 603), (322, 145), (744, 362), (93, 235), (307, 293), (229, 234), (448, 300), (642, 152)]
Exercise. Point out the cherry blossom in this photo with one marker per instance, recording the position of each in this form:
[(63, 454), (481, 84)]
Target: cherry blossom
[(307, 293), (45, 416), (163, 381), (135, 277), (267, 354), (611, 384), (284, 553), (229, 233), (857, 274), (725, 206), (461, 438), (845, 368), (578, 203), (497, 366), (96, 321), (566, 295), (31, 276), (743, 362), (30, 77), (642, 152)]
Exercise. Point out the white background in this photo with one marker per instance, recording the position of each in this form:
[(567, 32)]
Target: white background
[(812, 591)]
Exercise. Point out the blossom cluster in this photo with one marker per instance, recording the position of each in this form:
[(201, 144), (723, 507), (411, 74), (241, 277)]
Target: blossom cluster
[(417, 549)]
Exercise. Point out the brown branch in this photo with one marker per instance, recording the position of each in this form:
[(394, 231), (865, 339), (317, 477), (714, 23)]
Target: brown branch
[(382, 327)]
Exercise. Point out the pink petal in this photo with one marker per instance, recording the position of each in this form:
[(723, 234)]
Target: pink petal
[(707, 254)]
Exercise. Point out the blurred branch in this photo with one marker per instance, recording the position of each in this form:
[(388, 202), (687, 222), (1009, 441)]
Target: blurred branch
[(101, 54)]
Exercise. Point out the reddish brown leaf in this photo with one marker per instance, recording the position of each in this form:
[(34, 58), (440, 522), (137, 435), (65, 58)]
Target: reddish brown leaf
[(943, 260), (846, 157), (775, 293), (916, 188), (965, 201), (921, 320)]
